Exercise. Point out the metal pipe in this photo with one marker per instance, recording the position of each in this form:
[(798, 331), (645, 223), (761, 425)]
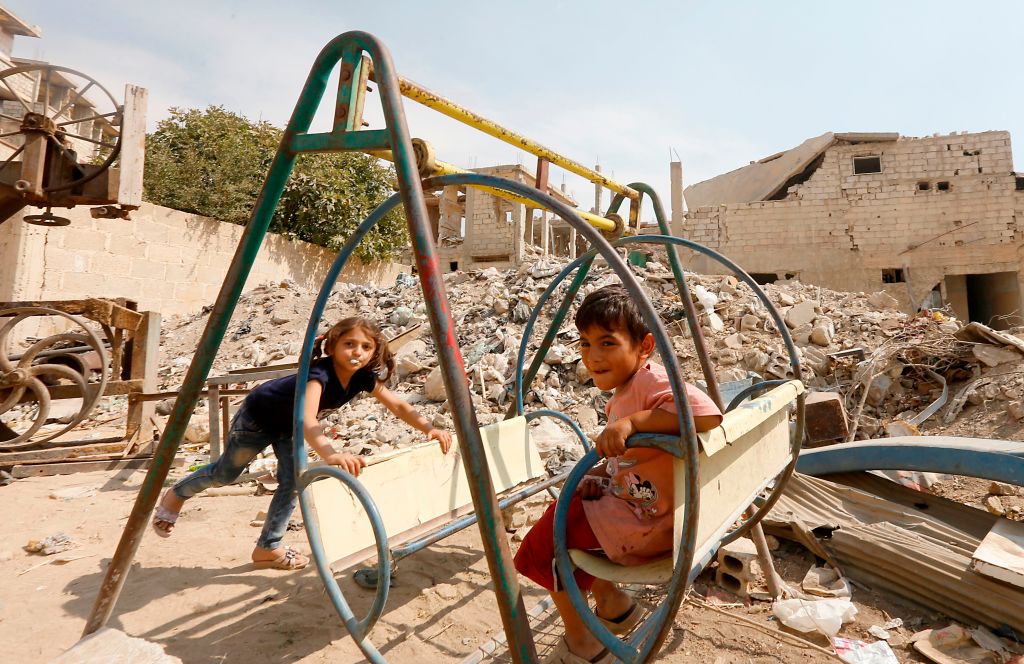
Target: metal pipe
[(409, 548), (213, 334), (432, 100), (453, 370), (445, 168)]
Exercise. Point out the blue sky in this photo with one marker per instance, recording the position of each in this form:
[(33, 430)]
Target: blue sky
[(621, 84)]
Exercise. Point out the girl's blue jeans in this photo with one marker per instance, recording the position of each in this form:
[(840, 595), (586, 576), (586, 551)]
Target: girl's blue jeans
[(245, 440)]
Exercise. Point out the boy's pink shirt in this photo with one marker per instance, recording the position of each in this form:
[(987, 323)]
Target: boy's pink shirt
[(633, 520)]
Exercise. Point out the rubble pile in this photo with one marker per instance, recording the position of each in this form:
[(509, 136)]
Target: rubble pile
[(889, 366)]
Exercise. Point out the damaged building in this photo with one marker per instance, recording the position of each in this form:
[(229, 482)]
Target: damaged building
[(475, 229), (934, 221)]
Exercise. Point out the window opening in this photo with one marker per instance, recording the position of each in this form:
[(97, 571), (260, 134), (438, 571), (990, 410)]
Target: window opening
[(924, 186), (942, 186), (867, 164), (893, 275)]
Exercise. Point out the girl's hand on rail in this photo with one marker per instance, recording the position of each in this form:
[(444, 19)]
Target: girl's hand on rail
[(443, 438), (348, 462)]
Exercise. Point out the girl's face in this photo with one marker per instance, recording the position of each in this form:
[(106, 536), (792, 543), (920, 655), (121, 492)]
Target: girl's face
[(353, 351)]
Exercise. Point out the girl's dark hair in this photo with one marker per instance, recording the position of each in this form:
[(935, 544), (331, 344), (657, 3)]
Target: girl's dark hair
[(612, 308), (382, 363)]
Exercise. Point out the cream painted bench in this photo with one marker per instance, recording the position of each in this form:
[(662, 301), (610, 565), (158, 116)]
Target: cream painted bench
[(420, 494), (738, 461)]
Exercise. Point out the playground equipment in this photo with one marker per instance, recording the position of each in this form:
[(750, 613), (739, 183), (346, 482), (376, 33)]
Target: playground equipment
[(746, 432), (66, 144)]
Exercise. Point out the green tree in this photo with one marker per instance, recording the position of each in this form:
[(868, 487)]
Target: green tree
[(213, 162)]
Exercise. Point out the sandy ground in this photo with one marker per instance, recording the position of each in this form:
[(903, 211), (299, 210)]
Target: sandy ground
[(196, 596)]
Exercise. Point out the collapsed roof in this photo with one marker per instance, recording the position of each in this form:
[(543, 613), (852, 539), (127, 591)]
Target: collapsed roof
[(770, 178)]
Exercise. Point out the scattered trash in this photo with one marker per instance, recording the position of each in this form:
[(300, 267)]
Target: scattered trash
[(825, 582), (956, 645), (824, 615), (860, 652), (50, 545)]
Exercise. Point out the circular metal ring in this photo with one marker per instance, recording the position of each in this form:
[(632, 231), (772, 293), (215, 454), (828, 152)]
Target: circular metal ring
[(90, 392)]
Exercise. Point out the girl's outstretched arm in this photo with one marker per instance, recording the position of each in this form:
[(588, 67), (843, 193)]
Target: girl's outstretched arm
[(314, 434), (408, 414)]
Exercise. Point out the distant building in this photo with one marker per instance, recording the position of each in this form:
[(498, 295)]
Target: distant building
[(936, 220), (475, 229)]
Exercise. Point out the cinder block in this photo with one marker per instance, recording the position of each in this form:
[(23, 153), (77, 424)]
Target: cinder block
[(738, 570), (824, 417)]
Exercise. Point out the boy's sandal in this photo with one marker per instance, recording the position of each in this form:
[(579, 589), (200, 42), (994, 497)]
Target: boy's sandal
[(289, 560), (562, 655), (626, 622), (164, 515)]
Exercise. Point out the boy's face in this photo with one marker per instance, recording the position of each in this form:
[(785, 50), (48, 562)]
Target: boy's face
[(612, 356)]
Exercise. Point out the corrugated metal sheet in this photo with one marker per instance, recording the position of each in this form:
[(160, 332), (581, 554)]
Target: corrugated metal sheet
[(892, 547)]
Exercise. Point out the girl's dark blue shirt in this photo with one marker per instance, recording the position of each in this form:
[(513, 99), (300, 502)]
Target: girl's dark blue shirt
[(270, 405)]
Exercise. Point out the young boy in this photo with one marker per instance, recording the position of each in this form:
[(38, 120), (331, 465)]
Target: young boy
[(626, 510)]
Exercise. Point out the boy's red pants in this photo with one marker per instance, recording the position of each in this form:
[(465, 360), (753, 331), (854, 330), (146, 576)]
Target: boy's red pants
[(536, 556)]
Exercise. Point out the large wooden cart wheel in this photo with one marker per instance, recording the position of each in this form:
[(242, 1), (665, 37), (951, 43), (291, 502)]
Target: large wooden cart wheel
[(25, 375), (53, 118)]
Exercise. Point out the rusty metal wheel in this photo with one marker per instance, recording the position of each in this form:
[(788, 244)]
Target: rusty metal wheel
[(54, 360), (55, 121)]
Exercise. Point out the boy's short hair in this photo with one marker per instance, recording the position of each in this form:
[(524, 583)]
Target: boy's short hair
[(612, 308)]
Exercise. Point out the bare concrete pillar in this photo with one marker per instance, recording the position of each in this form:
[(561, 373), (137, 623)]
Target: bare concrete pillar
[(676, 179), (545, 233), (678, 202), (597, 192)]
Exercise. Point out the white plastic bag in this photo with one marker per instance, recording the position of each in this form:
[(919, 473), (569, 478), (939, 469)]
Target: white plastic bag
[(823, 615), (859, 652), (706, 298)]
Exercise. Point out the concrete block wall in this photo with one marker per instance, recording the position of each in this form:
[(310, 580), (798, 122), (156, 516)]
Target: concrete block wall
[(840, 230), (491, 226), (169, 261)]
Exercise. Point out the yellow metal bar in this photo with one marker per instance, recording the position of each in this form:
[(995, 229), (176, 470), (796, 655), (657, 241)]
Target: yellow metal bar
[(420, 94), (444, 168)]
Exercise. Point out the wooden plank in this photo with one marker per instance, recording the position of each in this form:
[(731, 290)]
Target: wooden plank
[(114, 387), (1001, 554), (133, 145), (145, 345), (61, 453), (68, 468), (417, 485), (96, 309)]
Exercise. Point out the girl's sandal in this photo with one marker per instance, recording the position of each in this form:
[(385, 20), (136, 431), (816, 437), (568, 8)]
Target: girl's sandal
[(166, 516), (289, 560)]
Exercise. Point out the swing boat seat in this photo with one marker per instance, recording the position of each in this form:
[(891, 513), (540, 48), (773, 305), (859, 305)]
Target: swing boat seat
[(739, 459), (423, 496)]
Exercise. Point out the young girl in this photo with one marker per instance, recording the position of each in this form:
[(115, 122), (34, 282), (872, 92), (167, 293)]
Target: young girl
[(356, 354)]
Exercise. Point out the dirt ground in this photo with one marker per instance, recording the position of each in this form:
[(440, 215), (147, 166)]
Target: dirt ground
[(195, 595)]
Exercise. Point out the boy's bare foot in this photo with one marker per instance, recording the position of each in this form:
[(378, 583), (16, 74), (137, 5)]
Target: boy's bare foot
[(283, 557), (167, 513)]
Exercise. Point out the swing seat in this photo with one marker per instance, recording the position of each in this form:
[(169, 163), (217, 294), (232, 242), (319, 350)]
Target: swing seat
[(739, 459), (419, 492)]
